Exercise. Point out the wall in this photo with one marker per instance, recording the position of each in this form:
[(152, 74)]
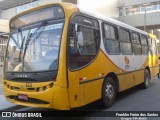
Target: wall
[(42, 2), (71, 1), (105, 7), (134, 2), (152, 20), (4, 25), (9, 13)]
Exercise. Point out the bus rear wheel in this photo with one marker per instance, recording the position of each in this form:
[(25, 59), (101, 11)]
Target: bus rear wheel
[(145, 84), (108, 92)]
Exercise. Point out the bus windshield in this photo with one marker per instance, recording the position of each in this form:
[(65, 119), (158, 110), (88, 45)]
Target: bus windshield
[(34, 45)]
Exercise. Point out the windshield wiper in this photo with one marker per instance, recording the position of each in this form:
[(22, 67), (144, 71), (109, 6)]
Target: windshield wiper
[(15, 41), (39, 30), (22, 44), (21, 48)]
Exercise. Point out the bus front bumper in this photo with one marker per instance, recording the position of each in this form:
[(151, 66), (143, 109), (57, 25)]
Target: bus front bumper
[(50, 97)]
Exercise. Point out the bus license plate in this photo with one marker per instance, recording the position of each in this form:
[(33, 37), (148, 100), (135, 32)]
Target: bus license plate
[(23, 97)]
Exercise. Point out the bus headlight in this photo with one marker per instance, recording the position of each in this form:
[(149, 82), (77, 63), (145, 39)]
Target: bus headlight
[(43, 88)]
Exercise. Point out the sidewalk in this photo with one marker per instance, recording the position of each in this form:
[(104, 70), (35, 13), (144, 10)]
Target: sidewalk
[(4, 104)]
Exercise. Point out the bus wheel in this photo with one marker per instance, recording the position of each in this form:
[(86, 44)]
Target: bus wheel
[(108, 92), (145, 84), (159, 75)]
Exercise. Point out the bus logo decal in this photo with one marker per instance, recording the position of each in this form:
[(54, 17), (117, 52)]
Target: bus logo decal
[(22, 86), (22, 76), (28, 84), (126, 60)]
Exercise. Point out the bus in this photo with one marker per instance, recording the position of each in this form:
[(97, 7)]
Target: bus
[(62, 56), (155, 52)]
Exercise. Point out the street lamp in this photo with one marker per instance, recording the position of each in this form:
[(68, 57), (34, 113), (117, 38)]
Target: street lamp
[(145, 19)]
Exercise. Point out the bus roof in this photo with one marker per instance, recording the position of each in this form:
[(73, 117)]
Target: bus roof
[(110, 20), (66, 5)]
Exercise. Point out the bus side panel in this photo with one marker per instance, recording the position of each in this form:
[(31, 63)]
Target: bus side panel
[(93, 90), (155, 64), (153, 58), (125, 81), (154, 68), (60, 98), (122, 85), (138, 77), (131, 79), (102, 64), (82, 92), (76, 91)]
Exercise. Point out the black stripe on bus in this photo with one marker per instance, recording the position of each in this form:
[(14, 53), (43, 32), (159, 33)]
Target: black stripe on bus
[(86, 81), (135, 70), (130, 72)]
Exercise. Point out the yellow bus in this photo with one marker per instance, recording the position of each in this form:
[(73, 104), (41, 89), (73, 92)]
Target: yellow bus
[(154, 54), (61, 56)]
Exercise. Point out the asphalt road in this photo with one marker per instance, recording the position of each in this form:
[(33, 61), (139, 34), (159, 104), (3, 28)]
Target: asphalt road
[(134, 99)]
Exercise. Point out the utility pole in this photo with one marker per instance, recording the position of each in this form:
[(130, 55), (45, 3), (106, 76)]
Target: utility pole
[(145, 20)]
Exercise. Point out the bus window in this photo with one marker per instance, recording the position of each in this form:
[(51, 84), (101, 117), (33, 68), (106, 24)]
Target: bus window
[(111, 42), (145, 48), (125, 43), (83, 45), (136, 44)]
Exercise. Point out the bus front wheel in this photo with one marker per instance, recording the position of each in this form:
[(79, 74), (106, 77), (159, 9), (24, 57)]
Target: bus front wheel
[(108, 92)]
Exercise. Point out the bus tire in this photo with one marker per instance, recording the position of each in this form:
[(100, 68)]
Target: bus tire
[(145, 84), (159, 75), (108, 92)]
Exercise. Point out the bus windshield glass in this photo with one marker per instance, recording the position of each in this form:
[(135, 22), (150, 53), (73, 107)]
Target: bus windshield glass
[(35, 41)]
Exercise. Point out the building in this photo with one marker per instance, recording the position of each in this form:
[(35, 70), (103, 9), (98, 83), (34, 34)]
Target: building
[(143, 14)]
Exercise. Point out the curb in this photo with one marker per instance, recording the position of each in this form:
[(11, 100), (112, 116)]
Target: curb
[(5, 104)]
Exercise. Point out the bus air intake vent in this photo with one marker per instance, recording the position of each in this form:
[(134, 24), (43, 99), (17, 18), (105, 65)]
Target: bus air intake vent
[(30, 100)]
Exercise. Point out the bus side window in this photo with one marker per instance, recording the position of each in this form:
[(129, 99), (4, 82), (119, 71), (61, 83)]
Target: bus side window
[(83, 45), (137, 48), (144, 44), (111, 42), (125, 42)]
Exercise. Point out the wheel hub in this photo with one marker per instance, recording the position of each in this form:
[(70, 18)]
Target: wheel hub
[(109, 91)]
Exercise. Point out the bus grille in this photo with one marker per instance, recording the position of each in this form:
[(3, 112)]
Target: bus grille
[(29, 89), (30, 100)]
